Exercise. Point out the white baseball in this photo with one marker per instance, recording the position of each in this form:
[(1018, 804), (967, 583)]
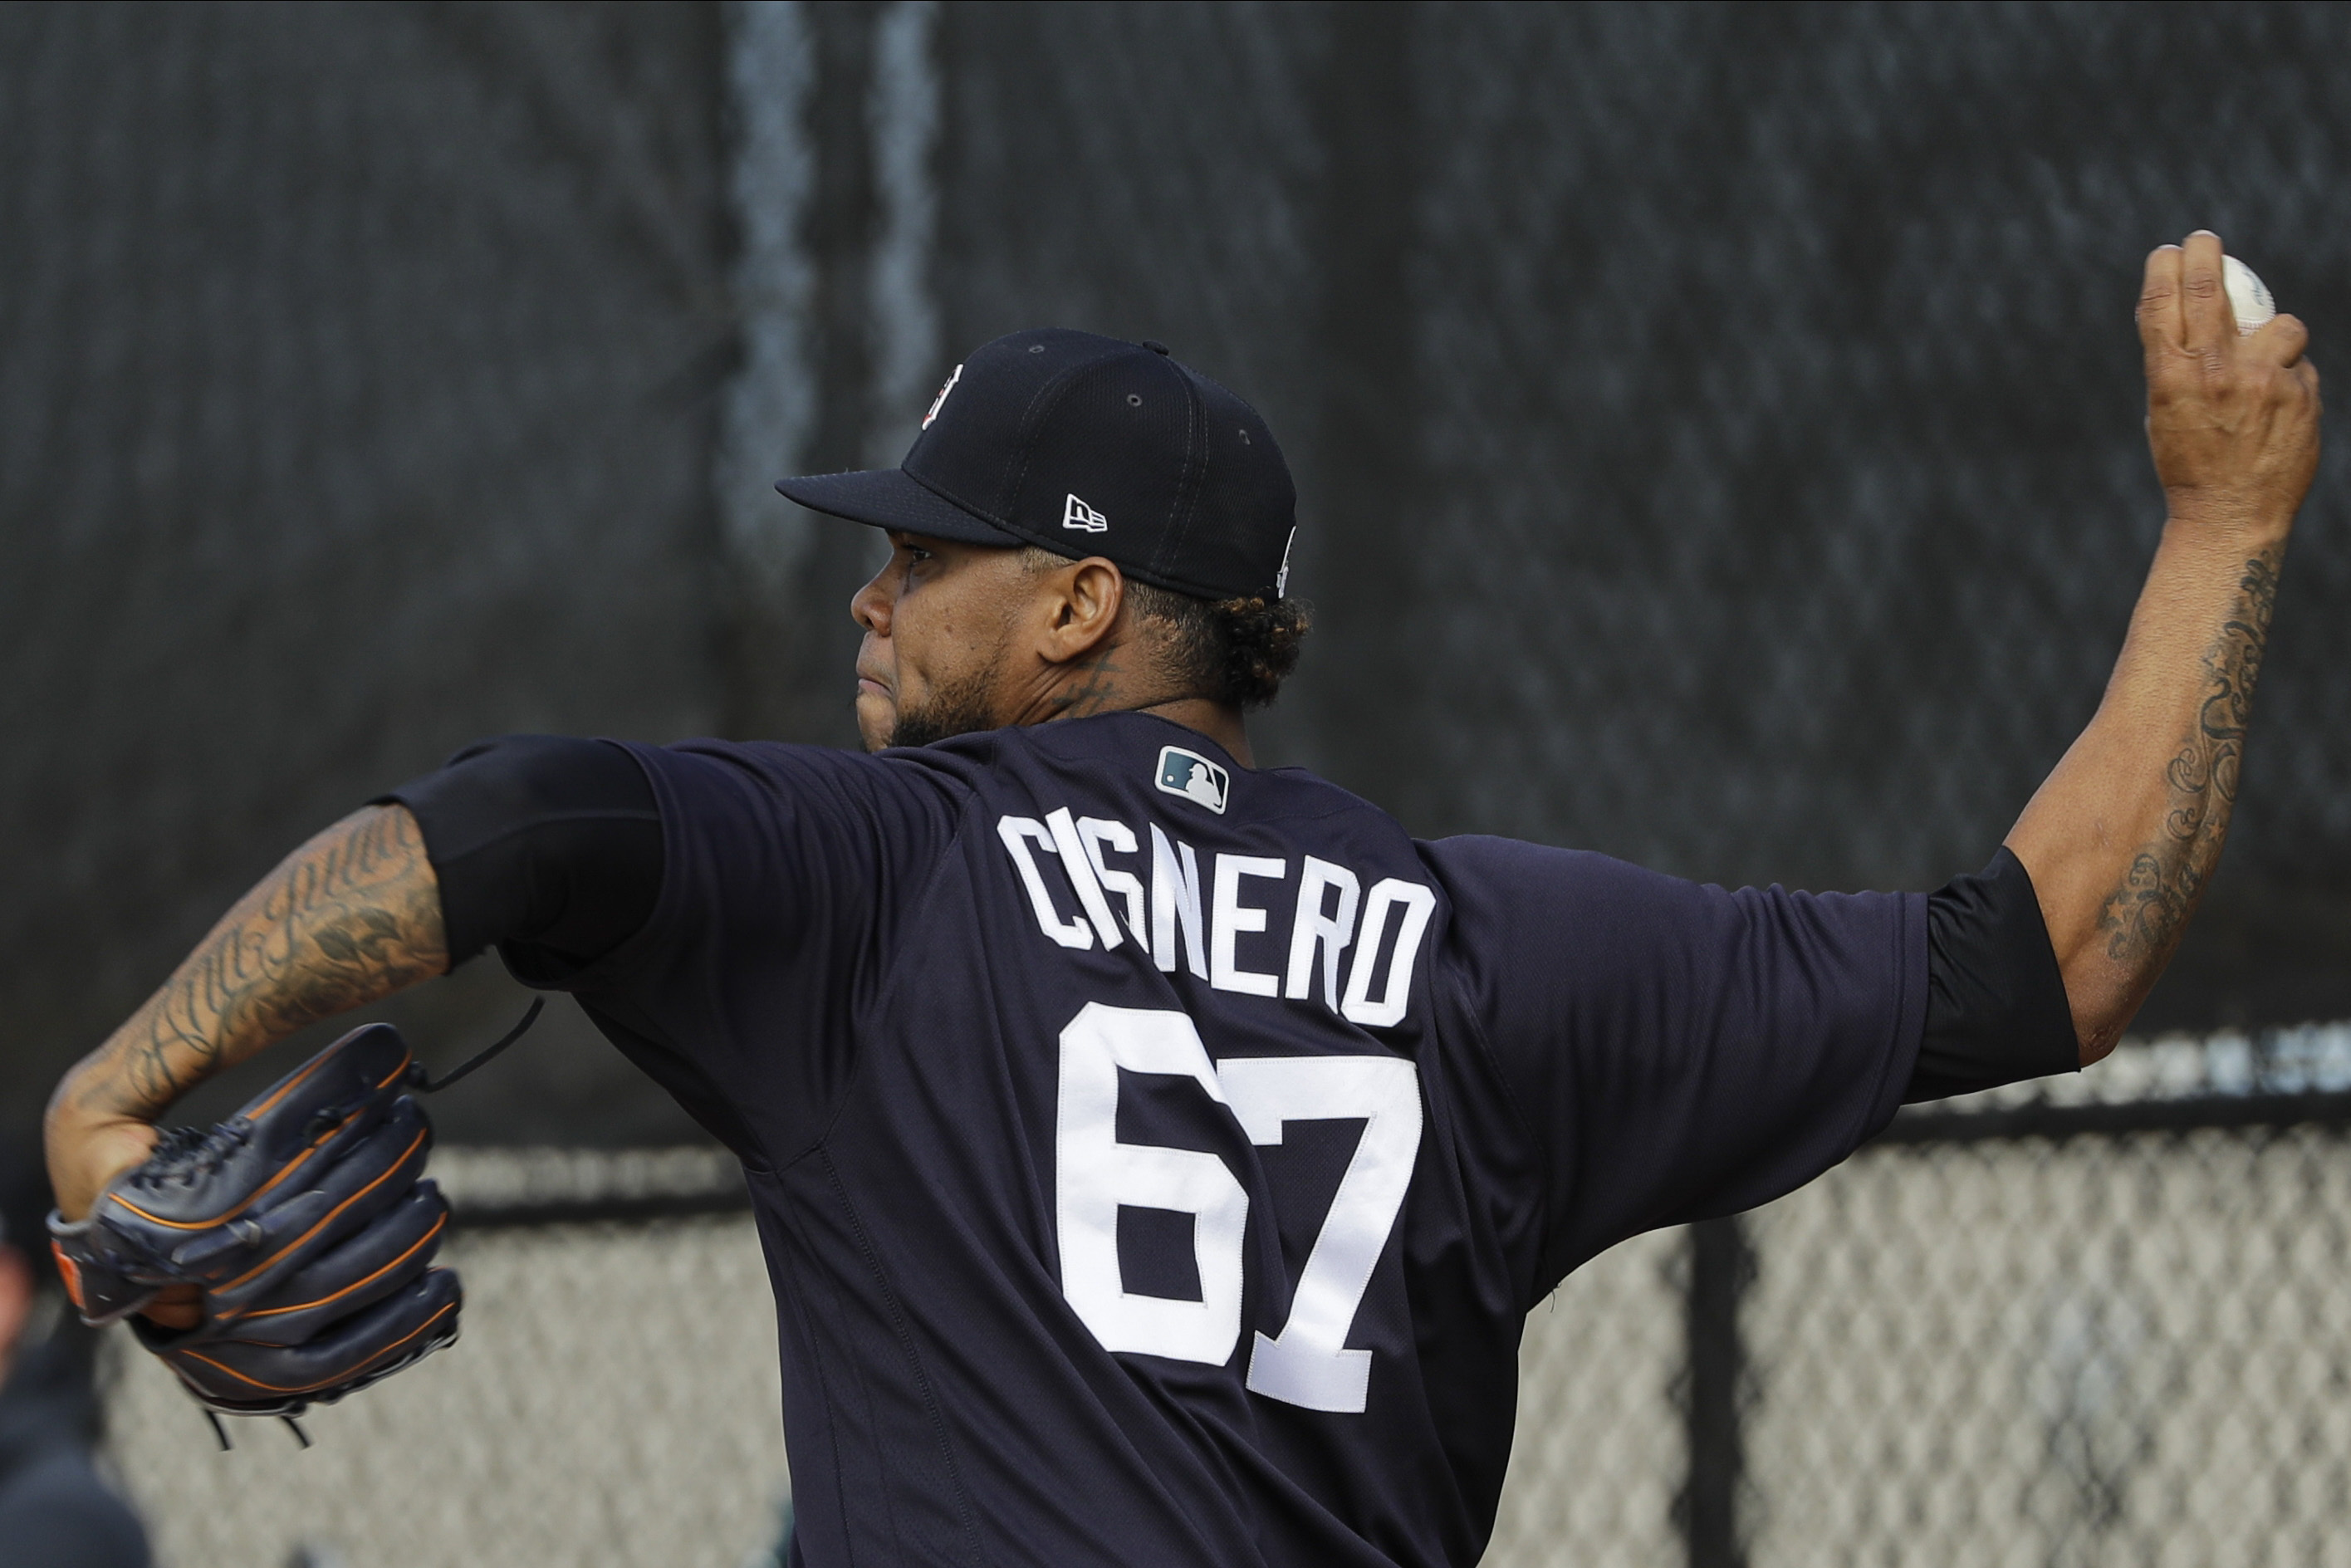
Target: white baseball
[(2249, 297)]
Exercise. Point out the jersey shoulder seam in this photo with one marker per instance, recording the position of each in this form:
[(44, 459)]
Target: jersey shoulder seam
[(614, 967), (887, 963), (1527, 1128)]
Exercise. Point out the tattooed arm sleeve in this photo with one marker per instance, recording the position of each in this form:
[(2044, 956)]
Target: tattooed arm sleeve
[(348, 918), (2124, 837)]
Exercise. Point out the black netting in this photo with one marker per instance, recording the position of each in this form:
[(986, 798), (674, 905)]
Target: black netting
[(355, 375), (1717, 427), (1736, 463)]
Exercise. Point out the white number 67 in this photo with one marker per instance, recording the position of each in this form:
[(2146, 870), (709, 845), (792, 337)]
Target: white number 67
[(1308, 1363)]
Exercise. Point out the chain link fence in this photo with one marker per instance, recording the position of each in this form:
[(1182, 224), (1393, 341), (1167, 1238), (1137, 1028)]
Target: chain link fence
[(614, 1398), (2121, 1348), (2101, 1322), (2069, 1329), (2105, 1321)]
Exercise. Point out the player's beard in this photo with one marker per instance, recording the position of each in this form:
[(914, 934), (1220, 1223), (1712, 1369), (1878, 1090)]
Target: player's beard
[(959, 706)]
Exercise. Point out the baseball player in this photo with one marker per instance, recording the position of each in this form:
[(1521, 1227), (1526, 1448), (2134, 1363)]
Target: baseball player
[(1155, 1155)]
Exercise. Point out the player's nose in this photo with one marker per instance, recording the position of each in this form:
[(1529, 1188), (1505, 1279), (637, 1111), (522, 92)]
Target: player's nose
[(870, 605)]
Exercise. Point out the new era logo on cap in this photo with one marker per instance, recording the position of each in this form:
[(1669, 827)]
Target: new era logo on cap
[(1193, 777), (1076, 514)]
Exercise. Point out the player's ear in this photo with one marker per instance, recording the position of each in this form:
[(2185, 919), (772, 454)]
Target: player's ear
[(1083, 607)]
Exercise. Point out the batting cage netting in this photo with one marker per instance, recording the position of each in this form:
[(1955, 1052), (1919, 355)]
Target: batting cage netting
[(1717, 436)]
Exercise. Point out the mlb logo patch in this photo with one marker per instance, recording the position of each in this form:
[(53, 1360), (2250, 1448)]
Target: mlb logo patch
[(1193, 777)]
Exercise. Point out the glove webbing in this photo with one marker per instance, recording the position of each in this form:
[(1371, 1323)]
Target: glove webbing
[(421, 1079)]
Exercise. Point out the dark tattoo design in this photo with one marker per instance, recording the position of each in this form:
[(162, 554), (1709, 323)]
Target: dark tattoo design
[(1096, 691), (2143, 917), (348, 918)]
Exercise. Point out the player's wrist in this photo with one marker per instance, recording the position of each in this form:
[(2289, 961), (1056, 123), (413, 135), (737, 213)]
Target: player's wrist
[(2241, 516), (88, 1149)]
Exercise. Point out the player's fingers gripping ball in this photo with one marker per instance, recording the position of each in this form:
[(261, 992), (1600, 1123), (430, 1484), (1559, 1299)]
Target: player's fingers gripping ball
[(303, 1223)]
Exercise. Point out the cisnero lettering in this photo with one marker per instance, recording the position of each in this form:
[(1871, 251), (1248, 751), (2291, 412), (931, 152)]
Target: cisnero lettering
[(1304, 930)]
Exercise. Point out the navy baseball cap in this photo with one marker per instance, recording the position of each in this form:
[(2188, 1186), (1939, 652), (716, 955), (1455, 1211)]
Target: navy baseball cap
[(1086, 445)]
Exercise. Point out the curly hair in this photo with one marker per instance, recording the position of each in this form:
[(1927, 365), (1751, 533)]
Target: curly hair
[(1236, 650)]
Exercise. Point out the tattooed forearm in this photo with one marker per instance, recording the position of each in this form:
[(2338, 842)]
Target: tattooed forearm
[(2122, 837), (351, 917), (2143, 917)]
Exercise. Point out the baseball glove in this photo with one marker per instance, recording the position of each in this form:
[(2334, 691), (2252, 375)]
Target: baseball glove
[(305, 1225)]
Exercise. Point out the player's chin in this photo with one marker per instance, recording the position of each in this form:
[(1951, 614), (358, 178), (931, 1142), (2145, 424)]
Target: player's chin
[(877, 717)]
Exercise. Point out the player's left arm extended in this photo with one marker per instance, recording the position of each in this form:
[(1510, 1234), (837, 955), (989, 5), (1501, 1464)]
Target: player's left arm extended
[(2122, 839), (347, 919)]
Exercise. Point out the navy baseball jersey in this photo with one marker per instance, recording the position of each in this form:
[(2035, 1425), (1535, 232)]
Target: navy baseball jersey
[(1156, 1158)]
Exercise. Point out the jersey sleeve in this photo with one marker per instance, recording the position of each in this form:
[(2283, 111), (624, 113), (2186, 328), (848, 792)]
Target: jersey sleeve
[(1676, 1050), (1997, 1011), (548, 846), (786, 871)]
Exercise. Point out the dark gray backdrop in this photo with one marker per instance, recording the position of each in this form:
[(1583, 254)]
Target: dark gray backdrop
[(1718, 426), (354, 383)]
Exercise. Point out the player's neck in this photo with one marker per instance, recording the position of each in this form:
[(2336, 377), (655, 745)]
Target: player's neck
[(1113, 679)]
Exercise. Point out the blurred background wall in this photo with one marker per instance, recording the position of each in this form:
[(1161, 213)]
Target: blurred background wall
[(1718, 427)]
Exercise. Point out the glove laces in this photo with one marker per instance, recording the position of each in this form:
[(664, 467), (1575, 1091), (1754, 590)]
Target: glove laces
[(425, 1082), (221, 1430), (193, 1152)]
